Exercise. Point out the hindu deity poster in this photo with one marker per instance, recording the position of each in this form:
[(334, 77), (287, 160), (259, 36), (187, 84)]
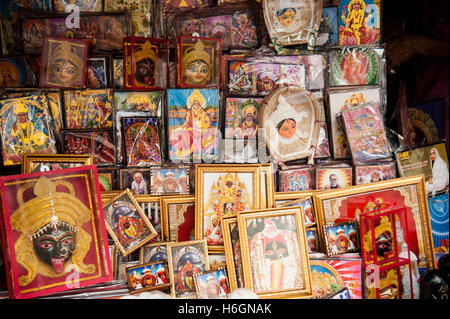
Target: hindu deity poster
[(54, 232), (223, 191), (193, 116), (88, 109), (294, 180), (334, 177), (241, 117), (274, 252), (153, 252), (186, 259), (130, 101), (26, 127), (233, 252), (342, 100), (15, 72), (331, 275), (141, 140), (127, 224), (366, 174), (169, 180), (360, 22)]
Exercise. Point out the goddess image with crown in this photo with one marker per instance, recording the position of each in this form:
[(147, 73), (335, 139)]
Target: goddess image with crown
[(145, 67), (197, 66), (355, 30)]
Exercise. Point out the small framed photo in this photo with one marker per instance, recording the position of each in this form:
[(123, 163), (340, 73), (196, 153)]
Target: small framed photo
[(48, 162), (328, 29), (179, 216), (64, 63), (333, 177), (233, 253), (217, 260), (137, 180), (341, 238), (212, 284), (312, 239), (198, 61), (223, 190), (296, 179), (147, 277), (306, 203), (141, 141), (97, 76), (151, 207), (106, 178), (366, 174), (288, 274), (127, 224), (169, 180), (185, 260), (153, 252)]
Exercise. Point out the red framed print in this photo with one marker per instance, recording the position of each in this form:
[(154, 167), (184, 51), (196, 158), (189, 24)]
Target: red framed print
[(43, 211), (63, 63)]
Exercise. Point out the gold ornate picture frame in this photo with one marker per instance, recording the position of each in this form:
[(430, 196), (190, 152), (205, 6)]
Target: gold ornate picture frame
[(221, 190), (275, 267), (347, 203), (36, 162), (172, 223), (281, 198), (267, 185), (233, 252)]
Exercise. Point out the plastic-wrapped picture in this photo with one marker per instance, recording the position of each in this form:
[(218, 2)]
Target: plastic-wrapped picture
[(98, 143), (26, 127), (241, 117), (333, 177), (97, 73), (15, 72), (294, 180), (141, 140), (193, 116), (328, 29), (169, 180), (83, 6), (366, 174)]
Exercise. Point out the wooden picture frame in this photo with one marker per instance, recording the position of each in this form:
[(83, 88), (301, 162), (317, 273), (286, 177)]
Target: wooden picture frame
[(208, 192), (193, 249), (212, 284), (139, 181), (140, 278), (407, 191), (34, 162), (171, 222), (294, 280), (127, 240)]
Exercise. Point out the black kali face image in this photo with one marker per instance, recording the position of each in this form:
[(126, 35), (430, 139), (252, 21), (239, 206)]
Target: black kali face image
[(384, 244)]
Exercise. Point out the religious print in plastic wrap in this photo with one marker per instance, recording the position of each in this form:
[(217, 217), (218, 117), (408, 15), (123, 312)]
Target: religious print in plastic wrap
[(360, 22), (328, 29), (341, 100), (241, 78), (26, 127), (97, 76), (366, 174), (330, 275), (138, 101), (98, 143), (365, 132), (127, 224), (117, 72), (82, 6), (186, 259), (141, 141), (63, 63), (241, 117), (169, 180), (190, 26), (88, 109), (193, 116), (179, 214), (355, 66), (141, 14), (212, 284), (198, 62), (15, 72), (333, 177), (244, 31), (138, 180), (431, 161), (146, 63), (438, 207), (152, 209), (74, 221), (147, 277), (306, 203), (296, 179), (341, 238)]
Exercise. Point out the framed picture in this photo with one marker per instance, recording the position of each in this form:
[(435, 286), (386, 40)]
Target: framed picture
[(340, 273), (341, 238), (98, 143), (275, 266), (431, 161), (287, 22), (241, 79), (147, 61), (97, 76), (212, 284), (127, 224), (438, 207), (286, 197), (106, 180), (137, 180), (147, 277), (169, 180), (85, 6), (193, 117), (64, 63), (217, 260), (198, 62), (47, 162), (290, 117), (153, 252), (179, 216), (233, 253), (151, 207), (328, 29), (346, 204), (313, 240), (366, 174), (223, 190), (296, 179), (185, 260), (74, 220), (141, 141), (88, 109), (16, 73), (306, 203), (267, 185), (360, 22), (241, 117), (333, 177), (339, 100), (117, 72)]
